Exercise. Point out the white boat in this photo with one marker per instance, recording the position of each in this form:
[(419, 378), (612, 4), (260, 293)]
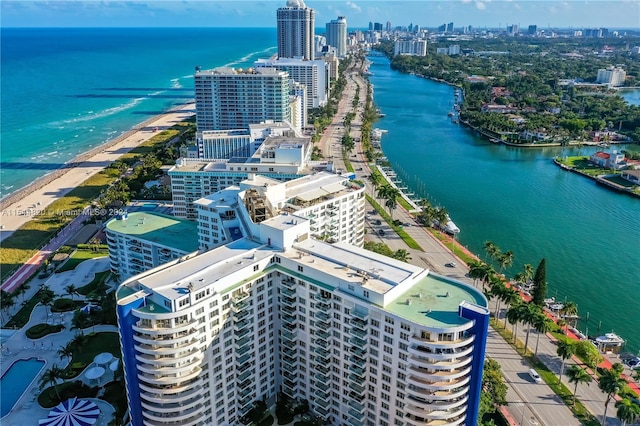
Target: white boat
[(610, 342), (449, 227)]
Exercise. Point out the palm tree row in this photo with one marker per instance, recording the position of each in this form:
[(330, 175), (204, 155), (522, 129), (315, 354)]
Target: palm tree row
[(390, 194)]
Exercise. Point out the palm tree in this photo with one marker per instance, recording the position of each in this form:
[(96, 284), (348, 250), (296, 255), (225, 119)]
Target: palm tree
[(391, 195), (570, 309), (505, 260), (476, 271), (51, 377), (71, 290), (528, 271), (565, 350), (528, 318), (80, 321), (542, 324), (627, 411), (498, 289), (6, 301), (578, 375), (611, 383), (511, 297), (402, 255), (492, 250), (66, 351), (514, 315)]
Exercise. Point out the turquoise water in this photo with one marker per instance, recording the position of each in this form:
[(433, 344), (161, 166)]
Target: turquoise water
[(632, 96), (517, 198), (16, 380), (67, 90)]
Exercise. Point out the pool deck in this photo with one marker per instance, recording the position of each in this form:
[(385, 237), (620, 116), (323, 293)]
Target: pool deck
[(26, 410)]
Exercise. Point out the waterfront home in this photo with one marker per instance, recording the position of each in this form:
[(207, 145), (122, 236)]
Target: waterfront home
[(632, 176), (615, 160), (500, 109), (535, 135)]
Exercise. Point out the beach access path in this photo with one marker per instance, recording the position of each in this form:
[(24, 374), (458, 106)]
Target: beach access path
[(36, 197)]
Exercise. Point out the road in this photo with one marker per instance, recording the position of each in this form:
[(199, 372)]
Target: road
[(529, 403)]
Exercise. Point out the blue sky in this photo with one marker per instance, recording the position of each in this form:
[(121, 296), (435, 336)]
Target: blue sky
[(251, 13)]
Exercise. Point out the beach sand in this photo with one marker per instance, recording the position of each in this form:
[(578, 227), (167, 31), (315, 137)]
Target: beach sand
[(18, 208)]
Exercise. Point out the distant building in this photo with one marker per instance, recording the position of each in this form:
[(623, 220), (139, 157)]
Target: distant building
[(281, 158), (377, 26), (141, 241), (613, 76), (337, 35), (512, 30), (312, 74), (449, 27), (442, 28), (533, 29), (228, 98), (388, 26), (226, 144), (296, 30), (451, 50), (410, 47), (332, 203)]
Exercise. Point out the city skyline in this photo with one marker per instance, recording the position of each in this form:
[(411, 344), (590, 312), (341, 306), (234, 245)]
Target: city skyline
[(250, 13)]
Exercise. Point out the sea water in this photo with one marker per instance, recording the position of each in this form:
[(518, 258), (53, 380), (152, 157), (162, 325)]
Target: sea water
[(65, 91)]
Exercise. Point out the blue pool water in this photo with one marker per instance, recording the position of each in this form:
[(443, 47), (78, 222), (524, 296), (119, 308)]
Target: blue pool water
[(16, 380)]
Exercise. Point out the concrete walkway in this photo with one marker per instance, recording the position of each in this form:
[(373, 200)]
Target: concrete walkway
[(18, 346)]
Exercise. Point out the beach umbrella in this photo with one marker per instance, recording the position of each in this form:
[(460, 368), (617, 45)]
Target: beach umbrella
[(72, 412)]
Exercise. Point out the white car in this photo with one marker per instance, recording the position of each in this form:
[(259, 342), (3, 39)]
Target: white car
[(535, 376), (451, 264)]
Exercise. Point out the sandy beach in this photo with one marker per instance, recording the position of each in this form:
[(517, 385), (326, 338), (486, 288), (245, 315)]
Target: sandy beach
[(19, 207)]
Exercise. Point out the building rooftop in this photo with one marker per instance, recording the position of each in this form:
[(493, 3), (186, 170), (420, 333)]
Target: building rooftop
[(434, 300), (159, 229)]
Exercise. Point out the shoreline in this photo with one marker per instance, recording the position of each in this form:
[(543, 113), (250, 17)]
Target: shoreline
[(20, 193), (24, 204)]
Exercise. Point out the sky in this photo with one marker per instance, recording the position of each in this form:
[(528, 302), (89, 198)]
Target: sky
[(251, 13)]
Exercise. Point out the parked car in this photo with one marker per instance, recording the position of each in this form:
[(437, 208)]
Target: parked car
[(451, 264), (381, 232)]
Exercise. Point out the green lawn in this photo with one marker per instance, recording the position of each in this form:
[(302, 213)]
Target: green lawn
[(80, 256), (95, 344), (100, 278)]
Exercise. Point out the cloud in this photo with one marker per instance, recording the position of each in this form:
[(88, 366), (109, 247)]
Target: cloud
[(354, 6), (480, 5)]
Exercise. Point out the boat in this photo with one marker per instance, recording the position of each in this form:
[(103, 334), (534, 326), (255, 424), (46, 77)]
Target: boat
[(610, 342), (449, 227)]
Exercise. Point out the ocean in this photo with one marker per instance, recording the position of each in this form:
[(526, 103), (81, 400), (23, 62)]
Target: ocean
[(65, 90)]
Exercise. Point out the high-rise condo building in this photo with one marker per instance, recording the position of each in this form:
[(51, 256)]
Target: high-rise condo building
[(140, 241), (312, 74), (613, 76), (410, 47), (365, 339), (281, 158), (296, 30), (337, 35), (228, 98)]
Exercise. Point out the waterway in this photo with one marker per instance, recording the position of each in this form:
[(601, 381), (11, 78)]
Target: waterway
[(518, 199), (632, 96)]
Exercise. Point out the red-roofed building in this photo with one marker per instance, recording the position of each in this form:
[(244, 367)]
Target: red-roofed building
[(614, 160)]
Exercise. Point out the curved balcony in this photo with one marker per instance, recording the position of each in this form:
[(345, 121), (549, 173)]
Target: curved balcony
[(423, 410), (167, 390), (168, 369), (171, 407), (159, 398), (157, 349), (443, 344), (169, 380), (418, 394), (417, 421), (423, 356), (437, 385), (439, 375), (169, 360), (192, 416)]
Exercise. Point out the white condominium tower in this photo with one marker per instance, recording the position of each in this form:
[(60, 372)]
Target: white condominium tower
[(312, 74), (228, 98), (296, 31), (337, 35), (365, 339)]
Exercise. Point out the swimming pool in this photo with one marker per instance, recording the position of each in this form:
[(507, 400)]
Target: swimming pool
[(16, 380)]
